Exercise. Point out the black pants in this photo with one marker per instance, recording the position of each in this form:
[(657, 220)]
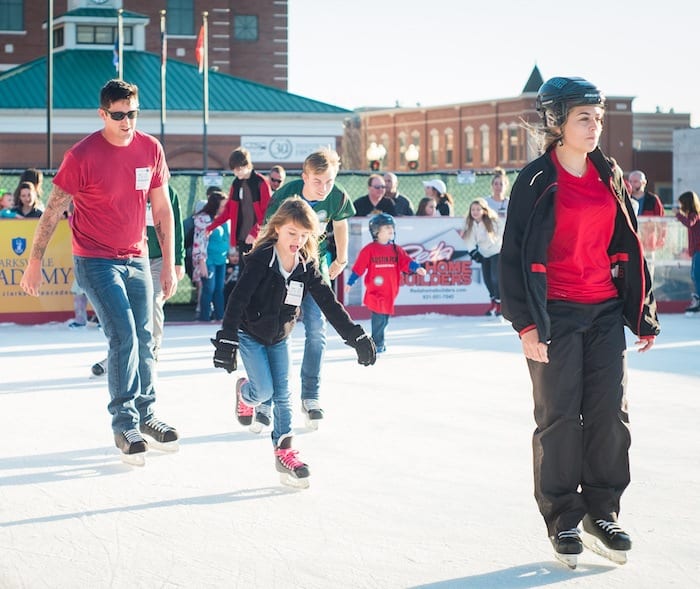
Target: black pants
[(582, 439), (489, 269)]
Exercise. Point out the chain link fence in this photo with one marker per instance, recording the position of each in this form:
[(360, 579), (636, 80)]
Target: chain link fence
[(191, 186)]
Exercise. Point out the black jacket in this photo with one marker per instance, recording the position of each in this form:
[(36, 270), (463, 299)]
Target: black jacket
[(257, 304), (528, 232)]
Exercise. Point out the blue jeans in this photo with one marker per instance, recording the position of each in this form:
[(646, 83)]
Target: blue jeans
[(314, 347), (379, 323), (121, 291), (695, 271), (267, 368), (213, 292)]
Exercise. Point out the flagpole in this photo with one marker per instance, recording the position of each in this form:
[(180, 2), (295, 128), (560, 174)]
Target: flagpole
[(205, 88), (120, 43), (163, 64), (49, 92)]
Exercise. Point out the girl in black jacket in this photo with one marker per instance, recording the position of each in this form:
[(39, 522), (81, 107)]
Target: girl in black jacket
[(572, 276), (261, 312)]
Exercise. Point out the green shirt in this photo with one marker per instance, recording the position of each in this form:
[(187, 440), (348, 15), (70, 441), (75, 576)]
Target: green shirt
[(153, 243), (337, 206)]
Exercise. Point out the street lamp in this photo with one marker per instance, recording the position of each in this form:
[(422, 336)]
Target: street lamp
[(412, 156), (375, 155)]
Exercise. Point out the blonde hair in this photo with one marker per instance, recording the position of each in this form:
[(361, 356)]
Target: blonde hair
[(499, 172), (690, 203), (297, 211), (321, 161), (490, 219)]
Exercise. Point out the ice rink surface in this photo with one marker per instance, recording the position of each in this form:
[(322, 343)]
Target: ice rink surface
[(420, 471)]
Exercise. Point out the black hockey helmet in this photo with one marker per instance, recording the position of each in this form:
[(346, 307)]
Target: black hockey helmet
[(379, 220), (557, 95)]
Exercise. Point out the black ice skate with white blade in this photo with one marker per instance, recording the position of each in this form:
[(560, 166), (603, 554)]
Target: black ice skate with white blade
[(567, 546), (133, 447), (606, 538), (312, 413), (163, 437), (293, 472)]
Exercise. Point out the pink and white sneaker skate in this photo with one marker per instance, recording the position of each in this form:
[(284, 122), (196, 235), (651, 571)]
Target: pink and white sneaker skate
[(244, 413), (293, 472)]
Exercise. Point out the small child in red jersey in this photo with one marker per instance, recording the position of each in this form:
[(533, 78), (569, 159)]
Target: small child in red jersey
[(383, 261)]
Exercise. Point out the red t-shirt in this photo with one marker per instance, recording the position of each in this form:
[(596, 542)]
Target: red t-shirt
[(578, 266), (383, 264), (110, 186)]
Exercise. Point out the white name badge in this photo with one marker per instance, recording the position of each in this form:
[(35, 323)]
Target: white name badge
[(143, 178), (295, 292)]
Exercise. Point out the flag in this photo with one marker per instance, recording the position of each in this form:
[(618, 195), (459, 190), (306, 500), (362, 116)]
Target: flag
[(163, 49), (115, 54), (199, 49)]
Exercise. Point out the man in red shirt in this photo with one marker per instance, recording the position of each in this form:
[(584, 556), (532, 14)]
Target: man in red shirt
[(110, 176)]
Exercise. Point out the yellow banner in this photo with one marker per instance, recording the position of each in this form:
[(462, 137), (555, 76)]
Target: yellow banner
[(55, 301)]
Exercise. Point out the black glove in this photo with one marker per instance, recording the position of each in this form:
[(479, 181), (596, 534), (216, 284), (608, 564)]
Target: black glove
[(475, 255), (364, 346), (226, 344)]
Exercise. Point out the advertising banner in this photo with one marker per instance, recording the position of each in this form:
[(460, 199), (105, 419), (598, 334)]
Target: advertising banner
[(453, 283), (55, 302)]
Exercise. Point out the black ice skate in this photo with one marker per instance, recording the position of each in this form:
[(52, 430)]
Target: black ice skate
[(312, 412), (293, 472), (694, 309), (261, 419), (606, 538), (133, 447), (567, 546), (163, 436), (99, 368)]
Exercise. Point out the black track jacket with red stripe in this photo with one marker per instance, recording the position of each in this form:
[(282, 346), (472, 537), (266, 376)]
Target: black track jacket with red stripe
[(528, 232)]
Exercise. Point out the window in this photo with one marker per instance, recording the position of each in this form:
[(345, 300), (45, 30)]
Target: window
[(485, 145), (469, 145), (385, 142), (11, 15), (58, 37), (245, 27), (434, 147), (101, 35), (180, 17), (513, 144), (449, 147), (402, 149)]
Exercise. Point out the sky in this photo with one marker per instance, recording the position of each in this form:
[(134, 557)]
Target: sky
[(375, 53), (421, 470)]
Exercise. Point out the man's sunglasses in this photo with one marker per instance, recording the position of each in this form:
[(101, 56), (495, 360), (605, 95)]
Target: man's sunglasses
[(119, 116)]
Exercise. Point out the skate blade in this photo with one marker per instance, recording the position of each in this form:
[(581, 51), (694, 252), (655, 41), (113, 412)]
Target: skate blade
[(595, 545), (570, 560), (134, 459), (291, 481), (256, 427), (170, 447), (311, 424)]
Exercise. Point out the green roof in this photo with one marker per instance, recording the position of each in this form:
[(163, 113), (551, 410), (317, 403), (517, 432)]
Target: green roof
[(79, 74), (101, 13)]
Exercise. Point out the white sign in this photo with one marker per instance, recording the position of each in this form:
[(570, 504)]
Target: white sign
[(435, 243), (290, 149)]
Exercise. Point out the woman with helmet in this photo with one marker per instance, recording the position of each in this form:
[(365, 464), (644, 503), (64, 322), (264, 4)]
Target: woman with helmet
[(383, 261), (572, 276)]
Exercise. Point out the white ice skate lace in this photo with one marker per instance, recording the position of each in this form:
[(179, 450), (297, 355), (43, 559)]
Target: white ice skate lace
[(311, 405), (609, 527), (572, 533), (157, 425), (131, 436)]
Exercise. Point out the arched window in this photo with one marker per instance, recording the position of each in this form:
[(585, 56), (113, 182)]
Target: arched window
[(485, 145), (469, 145), (449, 147), (434, 147)]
